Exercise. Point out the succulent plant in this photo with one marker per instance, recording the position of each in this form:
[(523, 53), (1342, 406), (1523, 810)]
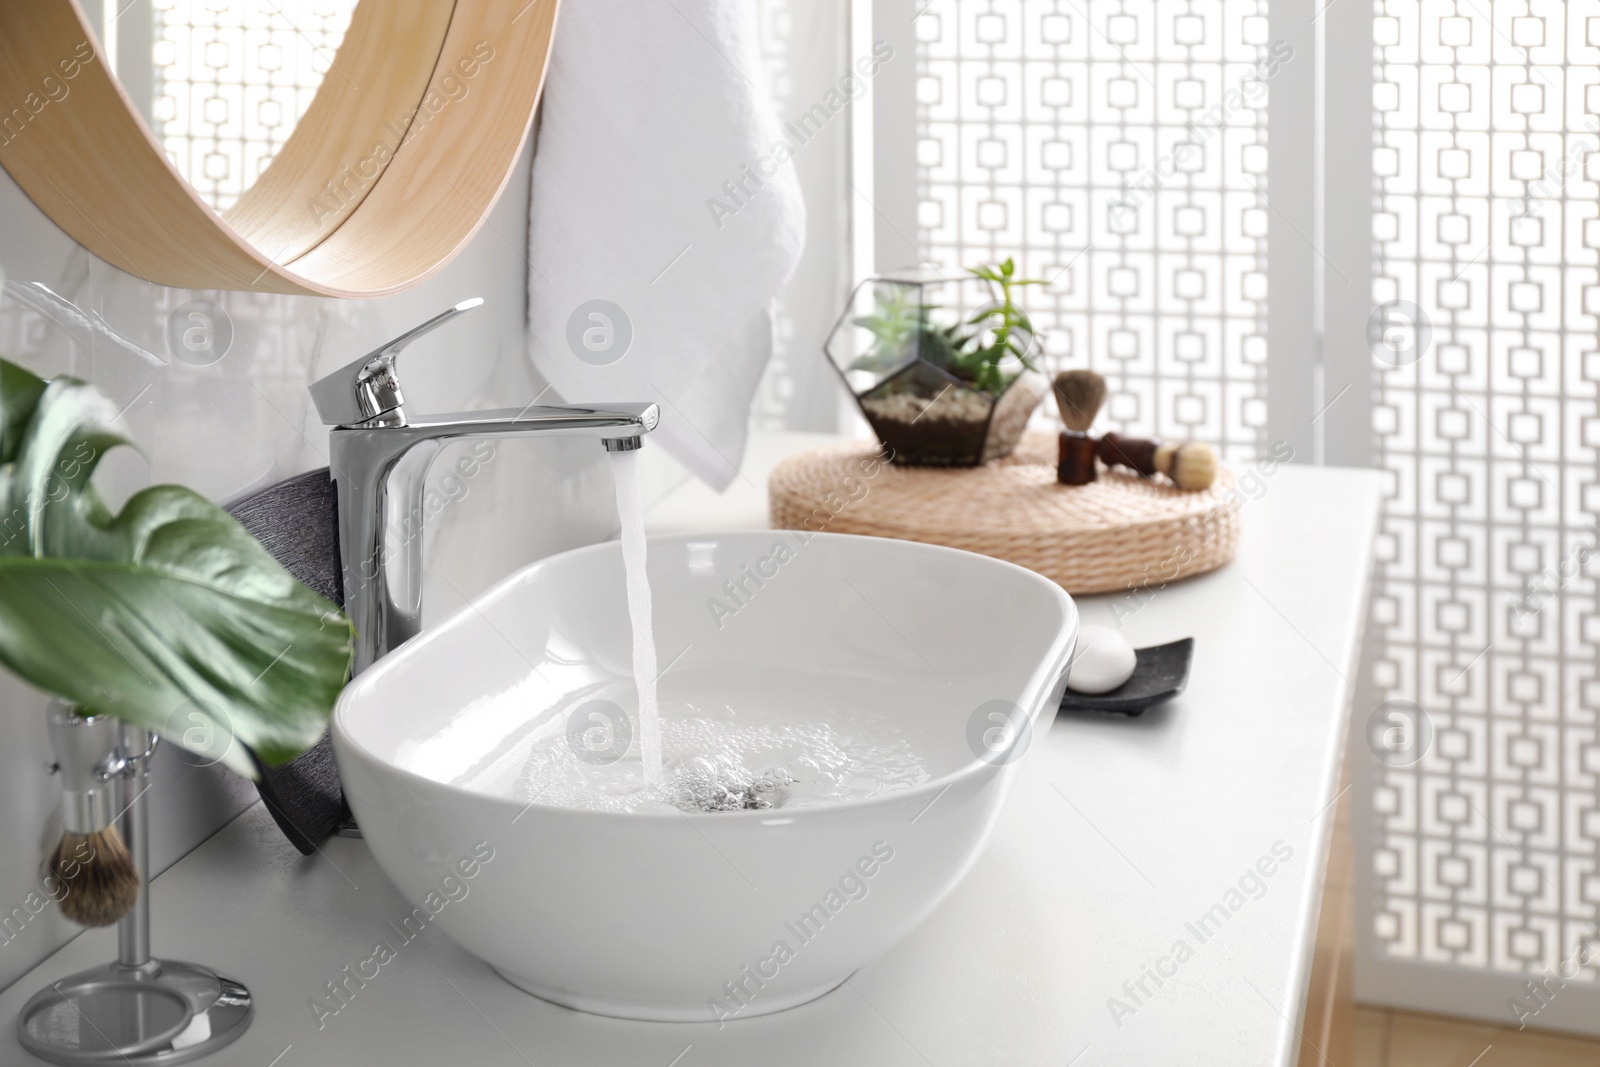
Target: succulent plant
[(902, 328)]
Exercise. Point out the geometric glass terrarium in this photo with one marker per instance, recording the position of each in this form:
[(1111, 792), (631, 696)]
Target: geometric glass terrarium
[(937, 390)]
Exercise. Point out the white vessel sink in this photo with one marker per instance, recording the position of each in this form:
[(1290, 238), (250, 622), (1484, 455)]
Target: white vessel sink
[(670, 916)]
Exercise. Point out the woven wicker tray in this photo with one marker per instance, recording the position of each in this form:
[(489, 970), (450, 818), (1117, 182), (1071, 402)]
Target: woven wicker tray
[(1118, 532)]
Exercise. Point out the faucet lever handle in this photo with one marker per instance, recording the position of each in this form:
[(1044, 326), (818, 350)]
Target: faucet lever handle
[(368, 387)]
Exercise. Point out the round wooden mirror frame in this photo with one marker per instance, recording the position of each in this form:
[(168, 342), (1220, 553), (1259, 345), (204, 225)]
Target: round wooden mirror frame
[(393, 167)]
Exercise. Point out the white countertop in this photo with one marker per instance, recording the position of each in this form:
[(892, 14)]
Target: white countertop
[(1120, 835)]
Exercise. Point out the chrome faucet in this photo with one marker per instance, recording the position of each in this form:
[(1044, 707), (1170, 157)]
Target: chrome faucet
[(380, 458)]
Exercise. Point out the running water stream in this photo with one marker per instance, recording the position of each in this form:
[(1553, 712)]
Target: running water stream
[(630, 512), (735, 744)]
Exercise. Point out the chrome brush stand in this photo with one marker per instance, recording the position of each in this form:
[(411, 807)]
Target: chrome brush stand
[(137, 1010)]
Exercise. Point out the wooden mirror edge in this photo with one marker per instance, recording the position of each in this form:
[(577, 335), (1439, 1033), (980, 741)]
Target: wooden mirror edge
[(458, 155), (346, 138), (79, 149)]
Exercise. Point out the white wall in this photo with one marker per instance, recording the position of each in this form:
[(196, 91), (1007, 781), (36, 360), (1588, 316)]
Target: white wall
[(245, 422)]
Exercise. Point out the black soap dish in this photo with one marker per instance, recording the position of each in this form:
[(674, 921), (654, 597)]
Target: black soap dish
[(1159, 674)]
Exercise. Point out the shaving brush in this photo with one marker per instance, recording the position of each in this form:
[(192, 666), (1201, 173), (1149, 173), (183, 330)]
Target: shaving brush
[(98, 880), (1189, 464), (1079, 395)]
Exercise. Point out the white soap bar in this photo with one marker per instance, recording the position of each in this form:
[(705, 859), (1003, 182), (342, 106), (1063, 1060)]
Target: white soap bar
[(1104, 660)]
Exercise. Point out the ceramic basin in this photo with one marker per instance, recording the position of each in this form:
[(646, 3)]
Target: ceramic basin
[(722, 915)]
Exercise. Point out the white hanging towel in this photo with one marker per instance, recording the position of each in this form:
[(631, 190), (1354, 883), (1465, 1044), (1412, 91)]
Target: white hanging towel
[(665, 219)]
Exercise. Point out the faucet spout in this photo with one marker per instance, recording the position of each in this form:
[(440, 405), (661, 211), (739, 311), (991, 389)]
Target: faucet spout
[(605, 421), (381, 468), (380, 458)]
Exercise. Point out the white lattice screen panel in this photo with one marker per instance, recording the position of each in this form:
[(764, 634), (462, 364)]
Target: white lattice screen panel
[(1117, 148), (231, 79), (1486, 227)]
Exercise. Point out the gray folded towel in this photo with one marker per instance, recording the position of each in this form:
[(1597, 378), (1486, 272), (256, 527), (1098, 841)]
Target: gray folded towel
[(297, 520)]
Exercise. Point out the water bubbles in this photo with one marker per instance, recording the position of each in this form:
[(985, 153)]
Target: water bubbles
[(711, 787), (720, 759)]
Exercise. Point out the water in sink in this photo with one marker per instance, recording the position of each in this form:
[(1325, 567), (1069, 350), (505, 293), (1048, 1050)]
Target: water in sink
[(706, 757), (722, 758)]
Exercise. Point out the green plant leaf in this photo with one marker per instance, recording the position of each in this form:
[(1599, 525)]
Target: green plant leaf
[(996, 323), (166, 614), (19, 394)]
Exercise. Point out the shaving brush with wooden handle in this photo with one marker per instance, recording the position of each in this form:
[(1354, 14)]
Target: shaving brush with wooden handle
[(1189, 464), (1079, 395)]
